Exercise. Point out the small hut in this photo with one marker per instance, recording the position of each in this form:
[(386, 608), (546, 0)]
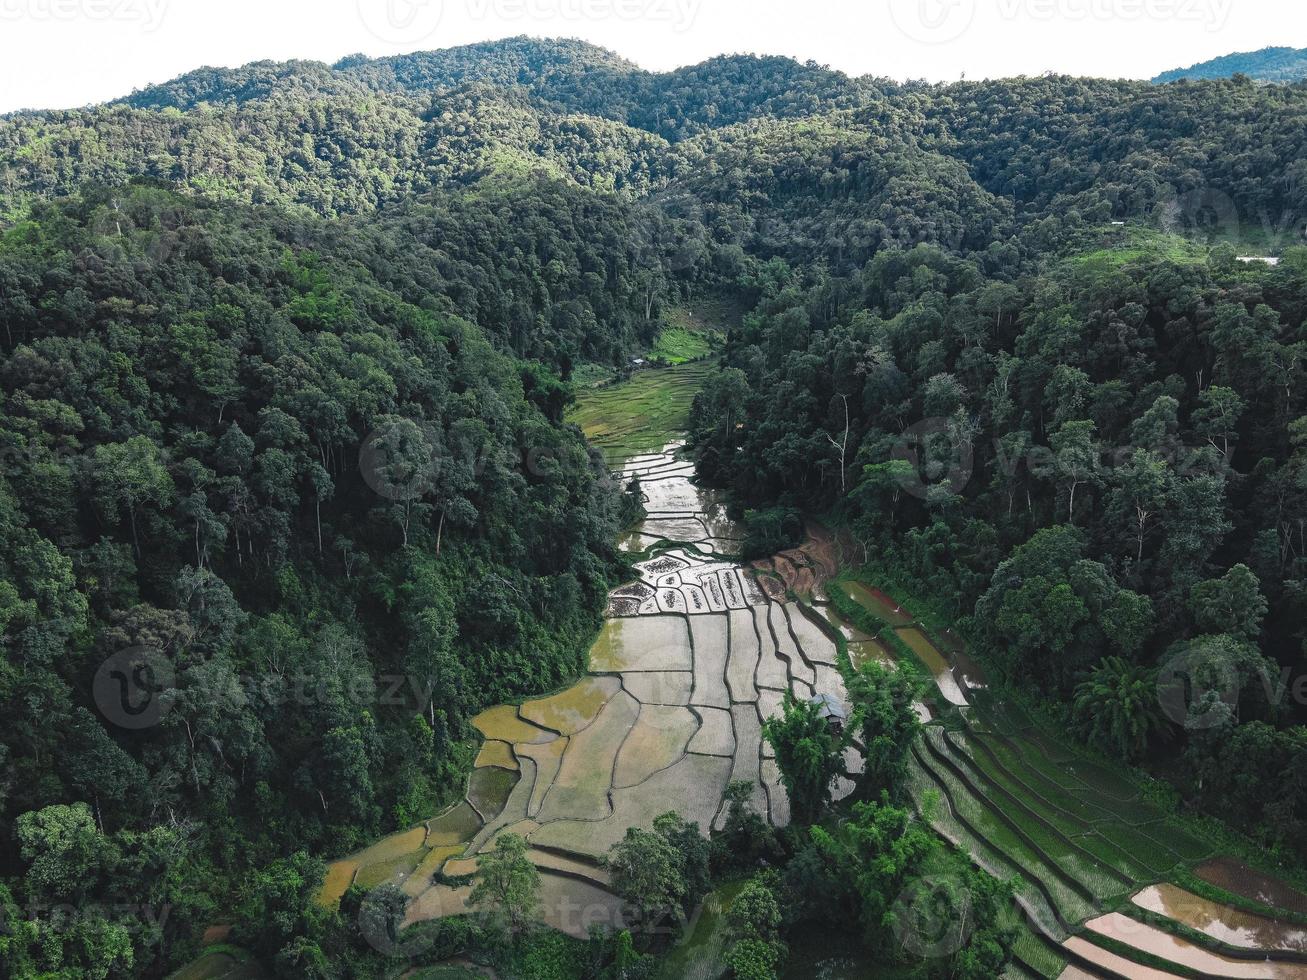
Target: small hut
[(830, 708)]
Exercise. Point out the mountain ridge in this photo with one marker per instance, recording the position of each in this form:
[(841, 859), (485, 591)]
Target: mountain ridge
[(1272, 64), (569, 73)]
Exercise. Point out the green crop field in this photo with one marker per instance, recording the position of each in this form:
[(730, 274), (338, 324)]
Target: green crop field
[(640, 415), (676, 345)]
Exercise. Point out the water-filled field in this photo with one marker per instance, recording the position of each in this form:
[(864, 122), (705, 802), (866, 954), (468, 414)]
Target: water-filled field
[(1092, 856), (697, 650), (692, 658), (1229, 925)]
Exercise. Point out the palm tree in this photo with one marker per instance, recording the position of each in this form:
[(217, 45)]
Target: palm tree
[(1117, 707)]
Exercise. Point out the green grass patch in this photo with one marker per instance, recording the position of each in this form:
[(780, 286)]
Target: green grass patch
[(590, 375), (1068, 812), (677, 345), (488, 790), (1132, 829), (1054, 847), (944, 821), (378, 874), (1108, 249), (1145, 853), (1180, 840), (1105, 251), (1022, 751), (1032, 807), (640, 415), (1036, 957)]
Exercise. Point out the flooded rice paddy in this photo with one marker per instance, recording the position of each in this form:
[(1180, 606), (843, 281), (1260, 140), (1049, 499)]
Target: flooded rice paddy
[(1221, 922), (1239, 879), (692, 657), (695, 652)]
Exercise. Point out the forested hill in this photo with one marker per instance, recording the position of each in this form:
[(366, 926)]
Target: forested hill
[(243, 312), (567, 75), (1266, 65), (365, 135), (280, 455)]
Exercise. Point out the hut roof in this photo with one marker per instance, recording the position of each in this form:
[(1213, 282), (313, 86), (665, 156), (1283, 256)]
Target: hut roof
[(830, 707)]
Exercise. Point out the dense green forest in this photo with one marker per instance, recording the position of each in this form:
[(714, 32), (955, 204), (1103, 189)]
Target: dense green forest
[(997, 330), (210, 426)]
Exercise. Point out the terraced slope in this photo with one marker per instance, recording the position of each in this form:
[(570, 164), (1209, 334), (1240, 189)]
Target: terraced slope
[(693, 657), (641, 415), (1094, 860), (698, 650)]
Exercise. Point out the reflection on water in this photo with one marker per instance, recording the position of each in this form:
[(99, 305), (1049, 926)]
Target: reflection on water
[(569, 712), (1235, 876), (1220, 921), (1116, 966), (935, 663), (677, 510), (850, 633), (1156, 941), (871, 650), (878, 604), (968, 673)]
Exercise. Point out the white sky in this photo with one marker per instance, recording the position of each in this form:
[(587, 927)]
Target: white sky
[(62, 53)]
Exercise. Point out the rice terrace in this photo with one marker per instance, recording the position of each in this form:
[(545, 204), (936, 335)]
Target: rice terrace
[(532, 510), (699, 649)]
